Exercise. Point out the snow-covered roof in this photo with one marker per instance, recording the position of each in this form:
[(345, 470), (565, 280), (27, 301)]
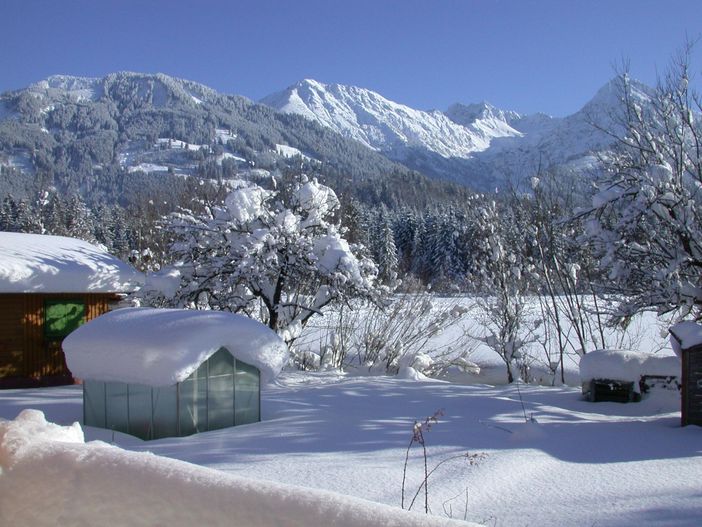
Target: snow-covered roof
[(160, 347), (687, 334), (622, 365), (36, 263)]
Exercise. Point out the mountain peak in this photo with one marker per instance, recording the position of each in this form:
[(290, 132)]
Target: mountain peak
[(155, 88), (467, 114), (610, 95), (387, 126), (312, 83), (69, 82), (77, 88)]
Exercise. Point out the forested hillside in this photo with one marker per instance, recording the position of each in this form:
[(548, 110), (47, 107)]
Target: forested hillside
[(106, 158)]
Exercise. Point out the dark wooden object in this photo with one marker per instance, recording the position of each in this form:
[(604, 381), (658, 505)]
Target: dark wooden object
[(597, 390), (27, 356)]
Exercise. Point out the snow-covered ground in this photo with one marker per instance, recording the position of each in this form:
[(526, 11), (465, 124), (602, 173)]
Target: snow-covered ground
[(579, 463), (289, 151), (148, 167), (74, 483)]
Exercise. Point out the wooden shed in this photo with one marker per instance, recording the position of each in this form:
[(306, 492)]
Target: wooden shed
[(49, 285), (687, 343)]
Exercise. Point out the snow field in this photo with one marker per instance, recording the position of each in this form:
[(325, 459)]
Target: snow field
[(148, 167), (580, 464), (290, 151)]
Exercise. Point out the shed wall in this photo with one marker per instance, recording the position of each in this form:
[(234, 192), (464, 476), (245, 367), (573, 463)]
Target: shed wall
[(692, 386), (27, 356)]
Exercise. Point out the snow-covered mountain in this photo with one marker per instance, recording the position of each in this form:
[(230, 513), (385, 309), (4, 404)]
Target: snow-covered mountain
[(86, 134), (476, 144), (390, 127), (110, 137)]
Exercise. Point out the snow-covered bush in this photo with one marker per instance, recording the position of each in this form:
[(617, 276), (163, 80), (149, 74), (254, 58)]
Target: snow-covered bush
[(384, 337), (279, 262)]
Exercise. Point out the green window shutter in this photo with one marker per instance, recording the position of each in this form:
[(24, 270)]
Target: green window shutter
[(62, 316)]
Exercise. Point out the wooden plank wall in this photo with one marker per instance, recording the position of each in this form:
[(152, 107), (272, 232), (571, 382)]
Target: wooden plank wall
[(11, 336), (24, 351)]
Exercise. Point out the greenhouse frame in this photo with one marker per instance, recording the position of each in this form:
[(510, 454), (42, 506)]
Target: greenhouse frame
[(222, 392)]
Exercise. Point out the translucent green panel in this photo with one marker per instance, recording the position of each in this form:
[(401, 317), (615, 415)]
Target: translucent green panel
[(117, 408), (94, 403), (165, 418), (201, 372), (246, 394), (222, 392), (220, 401), (221, 363), (62, 316), (140, 410), (193, 406)]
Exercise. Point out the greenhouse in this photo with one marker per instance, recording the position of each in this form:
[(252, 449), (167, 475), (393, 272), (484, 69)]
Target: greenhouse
[(156, 373), (222, 392)]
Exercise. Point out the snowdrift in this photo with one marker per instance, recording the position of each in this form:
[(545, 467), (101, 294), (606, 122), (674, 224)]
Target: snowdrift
[(50, 476)]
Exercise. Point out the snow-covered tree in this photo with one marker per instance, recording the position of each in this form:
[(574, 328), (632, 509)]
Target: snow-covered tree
[(383, 248), (448, 249), (78, 219), (8, 214), (405, 226), (569, 301), (502, 272), (646, 220), (278, 262)]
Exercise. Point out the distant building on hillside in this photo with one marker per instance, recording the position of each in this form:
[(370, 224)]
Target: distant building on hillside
[(156, 373), (49, 285)]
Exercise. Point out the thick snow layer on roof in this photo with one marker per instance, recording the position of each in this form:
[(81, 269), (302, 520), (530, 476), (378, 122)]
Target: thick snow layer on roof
[(160, 347), (36, 263), (78, 483), (626, 365), (685, 335)]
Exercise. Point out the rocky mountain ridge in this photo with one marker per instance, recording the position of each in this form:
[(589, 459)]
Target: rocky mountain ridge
[(114, 138), (129, 130), (477, 145)]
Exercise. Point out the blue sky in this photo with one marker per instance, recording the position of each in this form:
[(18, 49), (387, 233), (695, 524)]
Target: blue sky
[(524, 55)]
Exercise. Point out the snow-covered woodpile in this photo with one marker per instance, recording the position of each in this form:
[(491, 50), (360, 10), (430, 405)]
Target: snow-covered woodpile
[(622, 375)]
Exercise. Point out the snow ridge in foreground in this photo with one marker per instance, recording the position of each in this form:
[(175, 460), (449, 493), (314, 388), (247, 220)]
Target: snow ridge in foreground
[(76, 483)]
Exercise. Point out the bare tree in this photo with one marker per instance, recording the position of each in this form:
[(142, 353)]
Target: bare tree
[(645, 223)]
